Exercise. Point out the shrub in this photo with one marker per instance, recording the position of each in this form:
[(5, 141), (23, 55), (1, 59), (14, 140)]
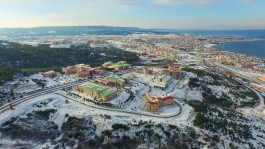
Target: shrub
[(45, 113), (120, 126), (197, 105), (10, 121)]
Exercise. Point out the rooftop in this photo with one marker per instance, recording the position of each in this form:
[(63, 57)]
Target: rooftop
[(167, 78), (108, 92), (92, 87), (120, 65), (115, 78)]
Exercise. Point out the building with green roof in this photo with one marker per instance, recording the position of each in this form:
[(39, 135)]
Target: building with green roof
[(115, 80), (109, 93), (96, 91), (121, 65)]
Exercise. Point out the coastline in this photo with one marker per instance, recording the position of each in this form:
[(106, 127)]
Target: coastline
[(251, 48)]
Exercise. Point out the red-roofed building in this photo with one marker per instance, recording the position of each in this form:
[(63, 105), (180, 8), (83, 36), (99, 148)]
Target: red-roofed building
[(154, 103), (144, 70), (49, 74), (82, 70), (151, 56)]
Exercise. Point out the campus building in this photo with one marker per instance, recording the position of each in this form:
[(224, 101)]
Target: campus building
[(82, 70), (103, 82), (162, 81), (49, 74), (97, 91), (121, 65), (173, 71), (115, 80), (144, 70), (154, 103)]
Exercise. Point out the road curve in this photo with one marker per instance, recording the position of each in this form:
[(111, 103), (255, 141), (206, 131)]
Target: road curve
[(261, 103), (128, 112), (57, 88)]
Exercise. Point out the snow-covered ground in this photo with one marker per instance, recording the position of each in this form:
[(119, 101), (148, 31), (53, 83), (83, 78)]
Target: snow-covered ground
[(48, 81), (75, 109), (54, 101), (183, 91), (218, 90), (26, 87)]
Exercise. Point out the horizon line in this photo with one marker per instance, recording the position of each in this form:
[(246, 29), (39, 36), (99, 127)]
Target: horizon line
[(147, 28)]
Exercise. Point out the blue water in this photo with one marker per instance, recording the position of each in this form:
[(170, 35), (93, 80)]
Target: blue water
[(252, 48), (235, 33)]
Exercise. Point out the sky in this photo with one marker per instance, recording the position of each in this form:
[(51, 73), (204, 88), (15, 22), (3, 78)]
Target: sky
[(167, 14)]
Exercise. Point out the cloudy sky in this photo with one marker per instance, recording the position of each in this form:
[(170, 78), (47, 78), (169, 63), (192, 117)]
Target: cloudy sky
[(174, 14)]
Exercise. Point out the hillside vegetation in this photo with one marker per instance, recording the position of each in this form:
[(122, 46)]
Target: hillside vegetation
[(16, 57)]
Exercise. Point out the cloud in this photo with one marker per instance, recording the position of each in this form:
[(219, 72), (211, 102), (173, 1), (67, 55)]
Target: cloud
[(169, 2), (54, 16), (183, 2)]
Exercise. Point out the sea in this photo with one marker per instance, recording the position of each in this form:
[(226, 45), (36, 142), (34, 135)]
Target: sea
[(251, 48)]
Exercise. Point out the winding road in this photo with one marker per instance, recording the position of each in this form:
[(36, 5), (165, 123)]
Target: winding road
[(60, 87), (123, 111)]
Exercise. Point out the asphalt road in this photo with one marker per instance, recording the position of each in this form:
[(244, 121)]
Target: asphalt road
[(127, 112), (39, 93)]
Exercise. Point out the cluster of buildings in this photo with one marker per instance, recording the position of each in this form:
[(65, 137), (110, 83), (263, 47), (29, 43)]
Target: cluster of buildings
[(259, 67), (156, 50), (173, 71), (121, 65), (211, 55), (163, 80), (82, 70), (102, 89), (144, 70), (154, 103), (238, 60), (97, 91), (111, 81), (258, 87)]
